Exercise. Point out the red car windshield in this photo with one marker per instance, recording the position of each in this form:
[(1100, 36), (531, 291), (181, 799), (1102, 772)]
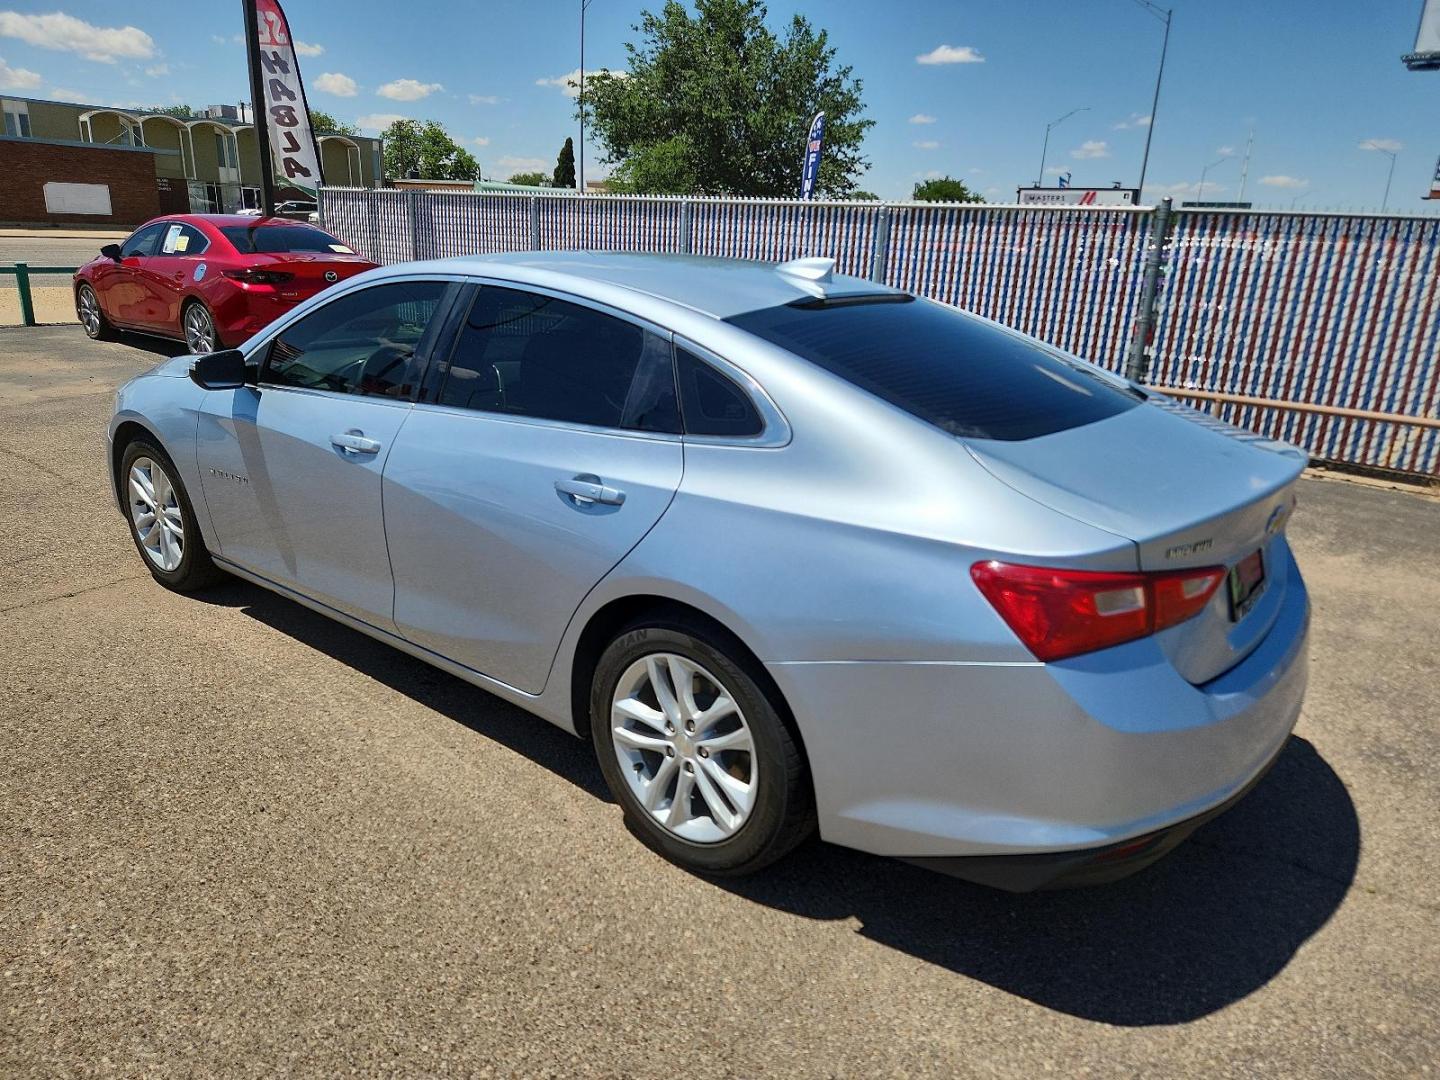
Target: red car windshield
[(276, 239)]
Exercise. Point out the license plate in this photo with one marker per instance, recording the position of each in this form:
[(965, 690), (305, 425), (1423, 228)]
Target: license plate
[(1246, 582)]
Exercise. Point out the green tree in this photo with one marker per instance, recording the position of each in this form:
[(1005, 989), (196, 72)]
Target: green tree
[(719, 104), (945, 189), (325, 124), (529, 179), (426, 150), (565, 166), (180, 112)]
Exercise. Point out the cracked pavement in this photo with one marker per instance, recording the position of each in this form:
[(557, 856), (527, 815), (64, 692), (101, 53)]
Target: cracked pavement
[(238, 839)]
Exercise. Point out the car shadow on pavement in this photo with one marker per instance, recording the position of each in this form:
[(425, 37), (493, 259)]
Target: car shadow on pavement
[(1206, 926), (159, 346)]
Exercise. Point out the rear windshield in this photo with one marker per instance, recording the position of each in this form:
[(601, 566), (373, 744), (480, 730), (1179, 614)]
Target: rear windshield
[(250, 239), (961, 374)]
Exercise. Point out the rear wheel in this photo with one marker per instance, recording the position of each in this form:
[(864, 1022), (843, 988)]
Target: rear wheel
[(87, 308), (695, 750), (199, 328), (162, 520)]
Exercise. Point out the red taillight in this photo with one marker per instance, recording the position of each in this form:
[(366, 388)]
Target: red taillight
[(1059, 613), (254, 276)]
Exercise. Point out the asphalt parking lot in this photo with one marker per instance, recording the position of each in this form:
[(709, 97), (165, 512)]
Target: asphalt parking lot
[(239, 839)]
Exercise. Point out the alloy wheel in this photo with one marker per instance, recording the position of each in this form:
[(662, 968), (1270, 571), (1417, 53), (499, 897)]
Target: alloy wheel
[(156, 515), (199, 330), (684, 747), (89, 310)]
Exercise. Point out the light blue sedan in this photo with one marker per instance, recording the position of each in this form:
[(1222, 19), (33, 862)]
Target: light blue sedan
[(795, 550)]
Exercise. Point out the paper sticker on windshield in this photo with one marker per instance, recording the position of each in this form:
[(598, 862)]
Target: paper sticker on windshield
[(181, 243), (200, 272), (342, 249), (172, 234)]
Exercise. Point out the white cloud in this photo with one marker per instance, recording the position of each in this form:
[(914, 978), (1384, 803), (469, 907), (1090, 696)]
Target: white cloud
[(951, 54), (511, 164), (928, 144), (407, 90), (1225, 151), (570, 81), (1189, 187), (305, 48), (922, 118), (157, 70), (484, 99), (333, 82), (1134, 120), (379, 121), (66, 33), (17, 78), (1283, 181), (480, 140), (1056, 170), (1390, 146), (65, 93), (1091, 148)]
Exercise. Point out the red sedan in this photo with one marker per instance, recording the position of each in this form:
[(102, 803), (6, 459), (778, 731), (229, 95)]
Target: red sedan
[(211, 280)]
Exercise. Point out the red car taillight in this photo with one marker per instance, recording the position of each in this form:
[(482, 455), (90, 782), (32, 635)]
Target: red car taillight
[(255, 276), (1059, 613)]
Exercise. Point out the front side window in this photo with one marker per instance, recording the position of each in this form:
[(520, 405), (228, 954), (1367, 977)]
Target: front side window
[(278, 239), (367, 342), (143, 242), (525, 354), (955, 371)]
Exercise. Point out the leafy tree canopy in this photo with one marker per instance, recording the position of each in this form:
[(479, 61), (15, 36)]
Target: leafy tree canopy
[(325, 124), (564, 176), (719, 104), (530, 179), (945, 189), (426, 149)]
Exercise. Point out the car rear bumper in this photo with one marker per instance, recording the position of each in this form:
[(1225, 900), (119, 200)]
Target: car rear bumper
[(942, 760)]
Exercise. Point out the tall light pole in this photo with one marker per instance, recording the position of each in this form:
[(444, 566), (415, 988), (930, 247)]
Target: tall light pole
[(1297, 198), (1045, 147), (1164, 15), (583, 5), (1390, 175), (1200, 191)]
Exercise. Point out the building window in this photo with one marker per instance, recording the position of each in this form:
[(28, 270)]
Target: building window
[(17, 119), (227, 154)]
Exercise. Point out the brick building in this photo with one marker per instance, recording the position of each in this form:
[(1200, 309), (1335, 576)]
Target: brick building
[(208, 163)]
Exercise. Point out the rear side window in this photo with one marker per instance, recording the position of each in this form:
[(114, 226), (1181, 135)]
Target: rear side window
[(526, 354), (278, 239), (182, 239), (712, 403), (950, 369)]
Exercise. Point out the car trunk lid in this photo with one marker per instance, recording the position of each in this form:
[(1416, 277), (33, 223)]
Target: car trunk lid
[(1189, 491), (310, 270)]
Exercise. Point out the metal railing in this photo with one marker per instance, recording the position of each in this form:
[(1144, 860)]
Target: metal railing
[(21, 273)]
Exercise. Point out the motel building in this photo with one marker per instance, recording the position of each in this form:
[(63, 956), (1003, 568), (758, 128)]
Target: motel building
[(69, 163)]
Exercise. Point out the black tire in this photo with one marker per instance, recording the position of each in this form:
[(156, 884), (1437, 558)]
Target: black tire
[(98, 328), (783, 813), (195, 569)]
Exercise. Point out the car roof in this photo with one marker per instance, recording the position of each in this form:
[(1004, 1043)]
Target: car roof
[(713, 286), (224, 220)]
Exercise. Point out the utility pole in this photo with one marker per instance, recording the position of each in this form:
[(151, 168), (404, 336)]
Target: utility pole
[(1389, 176), (257, 109), (1164, 15), (583, 5), (1045, 146)]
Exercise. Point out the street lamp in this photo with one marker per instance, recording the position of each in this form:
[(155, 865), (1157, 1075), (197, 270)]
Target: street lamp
[(583, 5), (1164, 15), (1045, 147), (1200, 191), (1389, 175), (1297, 198)]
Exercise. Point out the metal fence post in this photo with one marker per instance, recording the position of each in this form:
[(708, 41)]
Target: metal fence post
[(414, 206), (22, 282), (1137, 363), (687, 225), (880, 245), (534, 222), (320, 207), (372, 214)]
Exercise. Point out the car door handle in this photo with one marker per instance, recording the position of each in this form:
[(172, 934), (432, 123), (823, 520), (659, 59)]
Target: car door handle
[(587, 490), (354, 442)]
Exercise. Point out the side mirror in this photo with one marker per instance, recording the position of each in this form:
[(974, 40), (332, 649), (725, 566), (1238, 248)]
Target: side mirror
[(224, 370), (111, 251)]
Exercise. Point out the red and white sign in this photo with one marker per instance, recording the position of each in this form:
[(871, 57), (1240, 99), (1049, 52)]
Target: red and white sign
[(286, 115), (1435, 182), (1073, 196)]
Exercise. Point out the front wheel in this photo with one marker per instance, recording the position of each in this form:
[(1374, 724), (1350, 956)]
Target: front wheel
[(695, 750), (92, 318), (162, 520)]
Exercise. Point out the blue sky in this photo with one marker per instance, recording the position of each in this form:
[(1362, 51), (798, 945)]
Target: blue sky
[(1317, 80)]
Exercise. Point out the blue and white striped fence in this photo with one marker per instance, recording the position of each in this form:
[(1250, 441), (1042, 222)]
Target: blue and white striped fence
[(1339, 312)]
